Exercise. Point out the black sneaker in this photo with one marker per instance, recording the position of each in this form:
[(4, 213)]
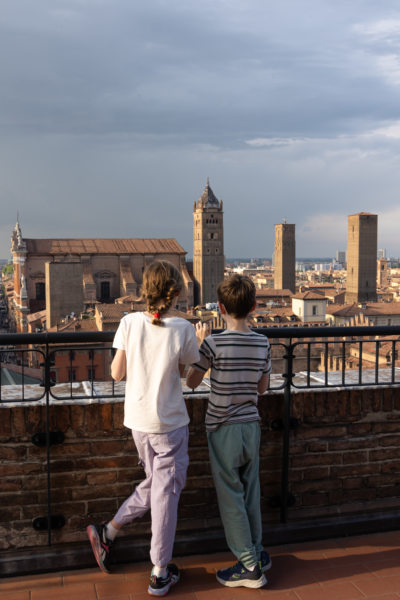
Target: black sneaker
[(265, 561), (159, 586), (238, 576), (101, 545)]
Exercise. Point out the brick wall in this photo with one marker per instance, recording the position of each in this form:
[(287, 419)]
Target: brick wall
[(344, 459)]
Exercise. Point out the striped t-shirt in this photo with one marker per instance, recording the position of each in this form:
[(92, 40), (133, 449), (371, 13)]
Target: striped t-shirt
[(237, 360)]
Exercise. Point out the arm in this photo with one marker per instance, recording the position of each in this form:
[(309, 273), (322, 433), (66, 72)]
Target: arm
[(194, 378), (262, 385), (118, 365), (202, 331)]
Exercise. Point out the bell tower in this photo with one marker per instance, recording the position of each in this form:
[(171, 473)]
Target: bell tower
[(208, 246)]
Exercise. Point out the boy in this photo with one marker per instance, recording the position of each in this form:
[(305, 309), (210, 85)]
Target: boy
[(240, 364)]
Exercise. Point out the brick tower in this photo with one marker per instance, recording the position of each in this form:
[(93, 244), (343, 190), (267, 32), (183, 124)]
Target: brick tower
[(362, 234), (208, 246), (285, 257)]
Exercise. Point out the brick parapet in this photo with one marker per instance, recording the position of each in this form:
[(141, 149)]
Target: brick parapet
[(344, 459)]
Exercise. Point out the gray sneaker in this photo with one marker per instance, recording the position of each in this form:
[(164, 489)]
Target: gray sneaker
[(159, 586), (101, 545)]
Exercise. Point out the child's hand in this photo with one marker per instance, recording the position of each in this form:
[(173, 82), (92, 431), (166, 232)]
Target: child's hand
[(202, 331)]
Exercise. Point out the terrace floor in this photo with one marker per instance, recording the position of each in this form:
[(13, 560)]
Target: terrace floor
[(340, 569)]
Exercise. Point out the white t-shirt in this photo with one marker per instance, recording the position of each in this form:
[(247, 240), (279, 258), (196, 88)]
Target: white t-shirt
[(153, 395)]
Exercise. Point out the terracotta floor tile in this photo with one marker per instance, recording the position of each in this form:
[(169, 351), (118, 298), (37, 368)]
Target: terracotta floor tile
[(380, 585), (215, 593), (266, 593), (361, 568), (28, 582), (14, 595), (385, 597), (88, 575), (329, 575), (386, 569), (76, 591), (120, 586), (342, 591)]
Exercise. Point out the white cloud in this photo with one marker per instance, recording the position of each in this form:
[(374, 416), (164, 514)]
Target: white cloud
[(382, 30), (267, 142)]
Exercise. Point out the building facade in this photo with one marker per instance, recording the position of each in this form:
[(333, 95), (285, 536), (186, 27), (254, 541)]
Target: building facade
[(310, 307), (362, 239), (285, 257), (208, 246), (107, 269)]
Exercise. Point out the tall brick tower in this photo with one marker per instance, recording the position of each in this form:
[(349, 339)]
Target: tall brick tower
[(285, 257), (208, 246), (20, 304), (362, 237), (382, 272)]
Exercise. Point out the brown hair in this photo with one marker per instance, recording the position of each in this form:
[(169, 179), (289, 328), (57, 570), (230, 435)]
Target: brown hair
[(161, 282), (238, 294)]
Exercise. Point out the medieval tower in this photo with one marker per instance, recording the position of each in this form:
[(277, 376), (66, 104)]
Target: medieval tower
[(208, 246), (362, 244), (285, 257)]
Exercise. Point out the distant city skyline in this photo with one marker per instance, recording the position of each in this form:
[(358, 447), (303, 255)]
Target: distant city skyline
[(114, 114)]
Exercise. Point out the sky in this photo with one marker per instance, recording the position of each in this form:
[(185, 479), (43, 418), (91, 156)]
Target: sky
[(113, 113)]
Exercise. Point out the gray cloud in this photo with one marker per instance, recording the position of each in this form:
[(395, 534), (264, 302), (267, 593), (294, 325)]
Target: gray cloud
[(113, 113)]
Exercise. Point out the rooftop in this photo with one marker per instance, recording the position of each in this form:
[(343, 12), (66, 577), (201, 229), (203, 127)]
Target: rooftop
[(103, 246), (348, 568)]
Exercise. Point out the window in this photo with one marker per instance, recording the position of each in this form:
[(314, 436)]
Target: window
[(105, 290), (71, 374), (91, 373), (314, 310), (40, 291)]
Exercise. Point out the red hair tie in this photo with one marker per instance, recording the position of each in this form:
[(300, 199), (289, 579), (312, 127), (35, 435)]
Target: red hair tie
[(157, 315)]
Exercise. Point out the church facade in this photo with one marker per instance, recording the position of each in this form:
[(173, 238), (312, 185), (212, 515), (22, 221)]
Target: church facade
[(107, 269)]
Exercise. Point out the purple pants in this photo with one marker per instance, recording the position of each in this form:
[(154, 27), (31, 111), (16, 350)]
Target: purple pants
[(164, 457)]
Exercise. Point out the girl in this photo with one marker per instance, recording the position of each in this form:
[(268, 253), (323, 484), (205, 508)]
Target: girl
[(153, 348)]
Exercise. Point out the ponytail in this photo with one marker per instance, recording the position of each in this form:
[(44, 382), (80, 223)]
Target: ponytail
[(161, 283)]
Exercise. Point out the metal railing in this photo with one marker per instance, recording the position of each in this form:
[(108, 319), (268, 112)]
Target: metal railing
[(332, 344)]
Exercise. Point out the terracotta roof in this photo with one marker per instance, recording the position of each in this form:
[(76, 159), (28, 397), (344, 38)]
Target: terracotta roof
[(76, 325), (271, 292), (104, 246), (35, 316), (310, 296), (112, 312), (371, 309)]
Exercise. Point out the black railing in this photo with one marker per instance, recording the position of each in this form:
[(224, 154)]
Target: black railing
[(375, 363)]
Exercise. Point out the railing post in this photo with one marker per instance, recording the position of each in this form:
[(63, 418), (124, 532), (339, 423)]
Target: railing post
[(47, 364), (287, 397)]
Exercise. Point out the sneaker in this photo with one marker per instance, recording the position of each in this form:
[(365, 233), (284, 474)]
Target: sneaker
[(238, 575), (101, 545), (159, 586), (265, 561)]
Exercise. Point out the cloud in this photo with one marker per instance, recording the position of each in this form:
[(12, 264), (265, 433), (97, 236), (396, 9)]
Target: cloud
[(113, 113)]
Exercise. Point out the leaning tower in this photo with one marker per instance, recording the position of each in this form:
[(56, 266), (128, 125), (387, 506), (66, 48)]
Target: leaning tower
[(208, 246)]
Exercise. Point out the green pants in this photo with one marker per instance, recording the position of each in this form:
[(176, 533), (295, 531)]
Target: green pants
[(234, 458)]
